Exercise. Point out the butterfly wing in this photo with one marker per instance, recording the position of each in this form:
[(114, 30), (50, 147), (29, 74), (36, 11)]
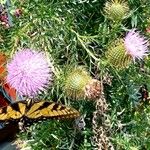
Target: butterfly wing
[(13, 112), (44, 109)]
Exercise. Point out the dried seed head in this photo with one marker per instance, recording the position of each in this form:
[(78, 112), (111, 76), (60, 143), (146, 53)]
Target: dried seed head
[(93, 89)]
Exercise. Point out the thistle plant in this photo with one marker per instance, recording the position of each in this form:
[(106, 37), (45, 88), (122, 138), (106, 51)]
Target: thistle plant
[(89, 33)]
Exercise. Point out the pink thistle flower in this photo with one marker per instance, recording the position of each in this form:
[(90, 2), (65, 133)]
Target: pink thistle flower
[(136, 45), (29, 72)]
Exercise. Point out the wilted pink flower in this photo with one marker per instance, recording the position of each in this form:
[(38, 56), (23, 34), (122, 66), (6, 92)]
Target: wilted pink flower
[(148, 29), (29, 72), (136, 45), (18, 12)]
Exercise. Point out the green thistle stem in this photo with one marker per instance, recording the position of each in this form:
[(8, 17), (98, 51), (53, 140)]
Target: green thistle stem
[(83, 45)]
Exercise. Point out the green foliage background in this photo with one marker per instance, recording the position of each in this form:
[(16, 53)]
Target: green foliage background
[(75, 32)]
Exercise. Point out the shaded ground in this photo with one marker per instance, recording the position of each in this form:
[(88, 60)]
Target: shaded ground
[(7, 133), (7, 145)]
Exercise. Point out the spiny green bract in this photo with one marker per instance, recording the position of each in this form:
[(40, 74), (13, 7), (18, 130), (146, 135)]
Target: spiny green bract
[(117, 57), (75, 82), (116, 10)]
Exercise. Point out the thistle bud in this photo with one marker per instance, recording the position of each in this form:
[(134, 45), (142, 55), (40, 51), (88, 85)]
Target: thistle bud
[(75, 82), (116, 55), (116, 10)]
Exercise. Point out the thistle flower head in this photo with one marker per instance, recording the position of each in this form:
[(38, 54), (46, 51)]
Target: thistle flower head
[(116, 10), (29, 72), (136, 45)]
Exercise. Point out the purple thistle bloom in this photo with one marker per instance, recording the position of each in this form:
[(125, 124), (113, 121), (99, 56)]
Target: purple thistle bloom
[(136, 45), (29, 72)]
